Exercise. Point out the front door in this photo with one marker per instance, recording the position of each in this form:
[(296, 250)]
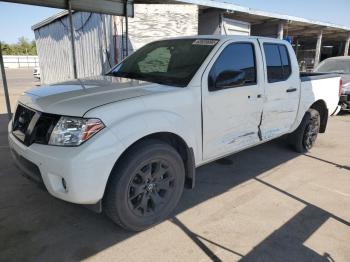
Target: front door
[(232, 113)]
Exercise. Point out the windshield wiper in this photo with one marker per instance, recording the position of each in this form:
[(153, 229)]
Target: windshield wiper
[(148, 78), (127, 75), (170, 82)]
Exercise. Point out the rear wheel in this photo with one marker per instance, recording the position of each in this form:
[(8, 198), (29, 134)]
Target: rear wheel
[(146, 187), (304, 137)]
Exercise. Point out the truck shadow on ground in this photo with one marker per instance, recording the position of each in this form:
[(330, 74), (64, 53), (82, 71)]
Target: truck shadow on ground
[(284, 244), (37, 227)]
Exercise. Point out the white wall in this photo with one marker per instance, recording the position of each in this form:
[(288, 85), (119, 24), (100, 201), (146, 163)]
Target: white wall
[(234, 27), (13, 61), (152, 22)]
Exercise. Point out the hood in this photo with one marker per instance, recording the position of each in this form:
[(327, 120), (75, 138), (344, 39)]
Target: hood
[(75, 98)]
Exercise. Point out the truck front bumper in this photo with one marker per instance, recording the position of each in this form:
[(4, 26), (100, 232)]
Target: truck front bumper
[(74, 174)]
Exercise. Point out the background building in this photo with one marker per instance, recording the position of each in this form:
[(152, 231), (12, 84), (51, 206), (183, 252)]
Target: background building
[(101, 41)]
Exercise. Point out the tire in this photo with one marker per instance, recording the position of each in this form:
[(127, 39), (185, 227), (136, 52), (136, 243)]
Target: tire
[(145, 186), (304, 137)]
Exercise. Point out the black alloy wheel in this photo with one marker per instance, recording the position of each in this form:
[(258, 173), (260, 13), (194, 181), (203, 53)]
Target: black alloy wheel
[(304, 137), (151, 187)]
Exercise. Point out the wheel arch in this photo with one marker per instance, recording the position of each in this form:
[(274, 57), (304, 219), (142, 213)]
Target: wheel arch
[(178, 143)]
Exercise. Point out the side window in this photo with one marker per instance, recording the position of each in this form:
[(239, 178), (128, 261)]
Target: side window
[(236, 57), (287, 69), (278, 62)]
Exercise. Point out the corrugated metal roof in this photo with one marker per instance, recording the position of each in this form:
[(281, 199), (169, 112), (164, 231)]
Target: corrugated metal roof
[(112, 7), (50, 19)]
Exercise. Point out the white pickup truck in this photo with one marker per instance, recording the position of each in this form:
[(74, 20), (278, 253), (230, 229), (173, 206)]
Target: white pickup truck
[(129, 142)]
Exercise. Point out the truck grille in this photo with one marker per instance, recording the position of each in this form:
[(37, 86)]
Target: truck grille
[(30, 126), (21, 122)]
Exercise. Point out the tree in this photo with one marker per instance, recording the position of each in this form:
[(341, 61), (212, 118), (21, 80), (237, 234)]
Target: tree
[(22, 47), (6, 49)]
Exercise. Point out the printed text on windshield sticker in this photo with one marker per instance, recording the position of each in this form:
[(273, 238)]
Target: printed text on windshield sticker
[(205, 42)]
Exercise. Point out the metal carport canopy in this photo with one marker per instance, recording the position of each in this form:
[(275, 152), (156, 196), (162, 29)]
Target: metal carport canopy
[(112, 7)]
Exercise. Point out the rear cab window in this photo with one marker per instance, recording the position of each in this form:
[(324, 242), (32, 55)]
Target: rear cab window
[(277, 62)]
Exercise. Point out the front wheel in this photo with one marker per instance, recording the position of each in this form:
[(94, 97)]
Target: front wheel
[(304, 137), (146, 185)]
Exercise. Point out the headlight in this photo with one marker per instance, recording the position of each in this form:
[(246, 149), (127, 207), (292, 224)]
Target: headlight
[(73, 131)]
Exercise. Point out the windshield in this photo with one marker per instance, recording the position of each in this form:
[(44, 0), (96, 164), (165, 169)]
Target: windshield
[(170, 62), (334, 66)]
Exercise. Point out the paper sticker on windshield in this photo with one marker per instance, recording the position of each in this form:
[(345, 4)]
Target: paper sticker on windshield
[(205, 42)]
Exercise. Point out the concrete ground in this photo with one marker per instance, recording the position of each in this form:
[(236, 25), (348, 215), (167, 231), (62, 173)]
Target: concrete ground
[(18, 80), (263, 204)]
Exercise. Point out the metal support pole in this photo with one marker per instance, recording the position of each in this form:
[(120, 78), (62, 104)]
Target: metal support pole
[(280, 30), (318, 49), (347, 44), (297, 48), (126, 29), (4, 82), (75, 75)]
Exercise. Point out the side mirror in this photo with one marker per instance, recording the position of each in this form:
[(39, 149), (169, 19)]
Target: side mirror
[(228, 79)]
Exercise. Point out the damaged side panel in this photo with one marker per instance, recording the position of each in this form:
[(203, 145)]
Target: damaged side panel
[(232, 115), (259, 129)]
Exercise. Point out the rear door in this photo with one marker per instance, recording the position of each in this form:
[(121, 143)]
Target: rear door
[(282, 88), (231, 115)]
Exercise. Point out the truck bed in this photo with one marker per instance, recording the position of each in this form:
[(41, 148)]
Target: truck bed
[(320, 86)]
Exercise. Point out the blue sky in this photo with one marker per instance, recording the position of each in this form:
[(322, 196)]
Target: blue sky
[(16, 20)]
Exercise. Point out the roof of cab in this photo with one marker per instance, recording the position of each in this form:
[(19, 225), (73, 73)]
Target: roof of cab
[(225, 37)]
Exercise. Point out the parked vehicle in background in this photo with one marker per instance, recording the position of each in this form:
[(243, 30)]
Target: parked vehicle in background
[(339, 65), (129, 141), (36, 72)]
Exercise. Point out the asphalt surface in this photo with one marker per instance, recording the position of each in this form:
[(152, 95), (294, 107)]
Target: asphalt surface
[(18, 81), (263, 204), (267, 203)]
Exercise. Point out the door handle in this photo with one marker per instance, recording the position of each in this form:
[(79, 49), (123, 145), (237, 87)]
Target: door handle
[(258, 96), (291, 90)]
